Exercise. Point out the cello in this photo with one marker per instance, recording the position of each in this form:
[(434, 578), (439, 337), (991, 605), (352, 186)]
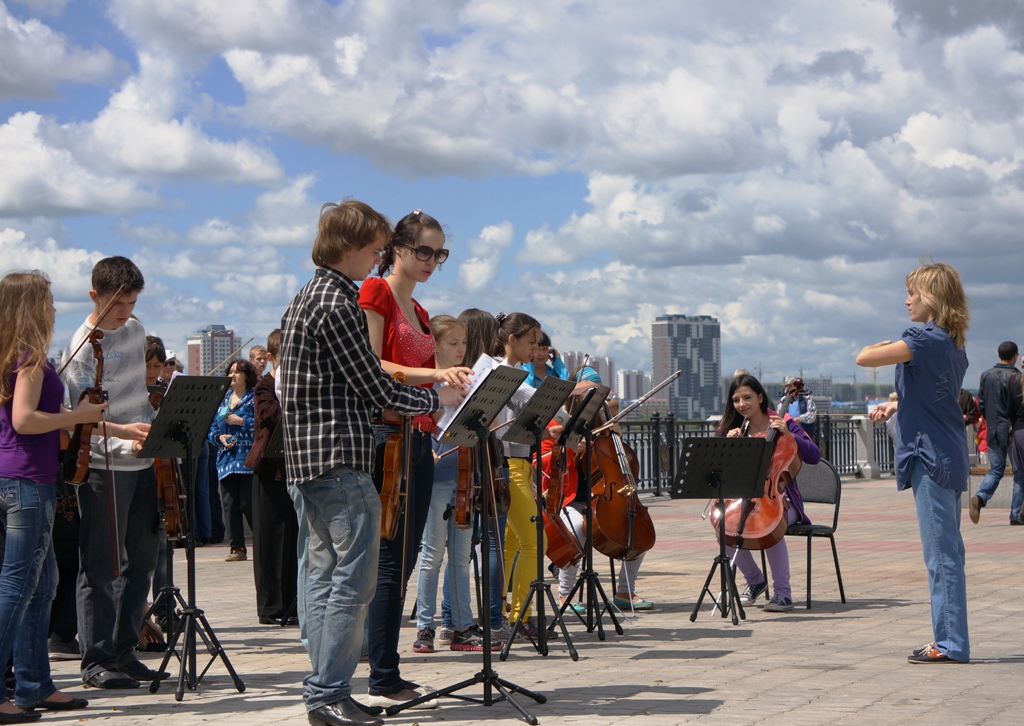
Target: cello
[(622, 525), (757, 524), (563, 548)]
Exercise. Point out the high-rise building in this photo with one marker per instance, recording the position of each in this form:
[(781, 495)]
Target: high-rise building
[(208, 347), (693, 345), (604, 365), (630, 385)]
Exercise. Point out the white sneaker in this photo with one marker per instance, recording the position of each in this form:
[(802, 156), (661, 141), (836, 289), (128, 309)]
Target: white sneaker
[(402, 696)]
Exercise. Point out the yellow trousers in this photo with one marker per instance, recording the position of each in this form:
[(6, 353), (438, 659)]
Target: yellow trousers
[(521, 533)]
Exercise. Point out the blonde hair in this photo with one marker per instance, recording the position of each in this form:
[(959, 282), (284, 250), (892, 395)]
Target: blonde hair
[(940, 289), (25, 300), (441, 325)]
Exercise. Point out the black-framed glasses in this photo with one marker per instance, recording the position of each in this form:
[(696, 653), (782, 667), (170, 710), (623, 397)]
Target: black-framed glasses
[(425, 252)]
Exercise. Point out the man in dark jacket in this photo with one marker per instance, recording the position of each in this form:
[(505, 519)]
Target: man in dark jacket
[(997, 401)]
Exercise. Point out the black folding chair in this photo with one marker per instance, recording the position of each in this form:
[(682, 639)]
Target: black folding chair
[(819, 484)]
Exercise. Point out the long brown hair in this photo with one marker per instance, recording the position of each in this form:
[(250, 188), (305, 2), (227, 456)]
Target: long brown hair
[(25, 300)]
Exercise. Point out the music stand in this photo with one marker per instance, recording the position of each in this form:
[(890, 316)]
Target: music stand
[(722, 468), (469, 426), (576, 428), (185, 415), (527, 430)]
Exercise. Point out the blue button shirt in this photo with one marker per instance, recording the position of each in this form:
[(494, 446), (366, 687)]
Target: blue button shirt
[(931, 425)]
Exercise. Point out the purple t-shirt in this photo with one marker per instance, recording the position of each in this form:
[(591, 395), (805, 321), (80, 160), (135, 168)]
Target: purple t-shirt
[(32, 456)]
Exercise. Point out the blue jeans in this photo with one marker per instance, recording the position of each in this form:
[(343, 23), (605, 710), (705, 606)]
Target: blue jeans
[(110, 608), (438, 533), (27, 585), (938, 518), (996, 467), (496, 563), (302, 549), (343, 513), (385, 620)]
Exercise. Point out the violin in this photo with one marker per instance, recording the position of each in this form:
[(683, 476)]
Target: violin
[(622, 525), (466, 493), (497, 468), (172, 498), (170, 492), (76, 463), (757, 524), (563, 548), (395, 485)]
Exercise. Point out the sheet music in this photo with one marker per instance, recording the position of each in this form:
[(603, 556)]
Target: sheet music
[(481, 369)]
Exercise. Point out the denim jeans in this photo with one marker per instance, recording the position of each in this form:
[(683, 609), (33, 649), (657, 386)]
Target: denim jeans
[(438, 533), (385, 619), (27, 585), (110, 608), (496, 564), (997, 465), (302, 549), (343, 513), (938, 518)]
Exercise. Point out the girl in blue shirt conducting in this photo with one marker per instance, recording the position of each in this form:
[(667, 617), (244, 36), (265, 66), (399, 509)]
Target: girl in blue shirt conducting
[(931, 450)]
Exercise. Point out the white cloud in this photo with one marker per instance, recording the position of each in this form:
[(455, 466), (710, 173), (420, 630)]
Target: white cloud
[(477, 272), (69, 269), (42, 177), (34, 58), (137, 133)]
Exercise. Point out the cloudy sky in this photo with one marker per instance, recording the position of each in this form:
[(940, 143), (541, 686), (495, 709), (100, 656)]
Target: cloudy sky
[(779, 164)]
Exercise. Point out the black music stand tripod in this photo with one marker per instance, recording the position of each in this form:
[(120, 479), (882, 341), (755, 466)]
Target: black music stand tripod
[(722, 468), (588, 582), (470, 426), (185, 415), (527, 430)]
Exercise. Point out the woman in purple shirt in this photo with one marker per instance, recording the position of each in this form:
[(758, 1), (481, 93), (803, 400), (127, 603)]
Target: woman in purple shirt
[(931, 451), (31, 416), (747, 413)]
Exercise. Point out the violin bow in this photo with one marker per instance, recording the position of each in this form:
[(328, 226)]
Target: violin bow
[(231, 355), (638, 402)]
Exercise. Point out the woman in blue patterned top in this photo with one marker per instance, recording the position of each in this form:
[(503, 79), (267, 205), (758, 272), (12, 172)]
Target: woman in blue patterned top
[(232, 433), (931, 450)]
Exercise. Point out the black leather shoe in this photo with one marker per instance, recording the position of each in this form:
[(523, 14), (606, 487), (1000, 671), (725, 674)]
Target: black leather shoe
[(20, 717), (141, 672), (110, 679), (345, 712)]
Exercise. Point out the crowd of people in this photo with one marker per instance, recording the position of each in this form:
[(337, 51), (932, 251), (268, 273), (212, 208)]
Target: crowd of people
[(352, 368)]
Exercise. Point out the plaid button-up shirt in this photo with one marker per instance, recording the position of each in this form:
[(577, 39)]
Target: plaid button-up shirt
[(331, 380)]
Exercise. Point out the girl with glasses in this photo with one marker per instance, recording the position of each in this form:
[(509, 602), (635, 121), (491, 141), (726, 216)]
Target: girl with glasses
[(400, 334)]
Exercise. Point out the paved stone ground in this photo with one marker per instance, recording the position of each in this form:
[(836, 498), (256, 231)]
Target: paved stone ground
[(834, 663)]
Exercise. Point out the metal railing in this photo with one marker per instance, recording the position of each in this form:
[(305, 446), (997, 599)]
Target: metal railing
[(658, 442)]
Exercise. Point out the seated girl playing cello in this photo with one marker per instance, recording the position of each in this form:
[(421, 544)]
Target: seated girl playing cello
[(747, 413)]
